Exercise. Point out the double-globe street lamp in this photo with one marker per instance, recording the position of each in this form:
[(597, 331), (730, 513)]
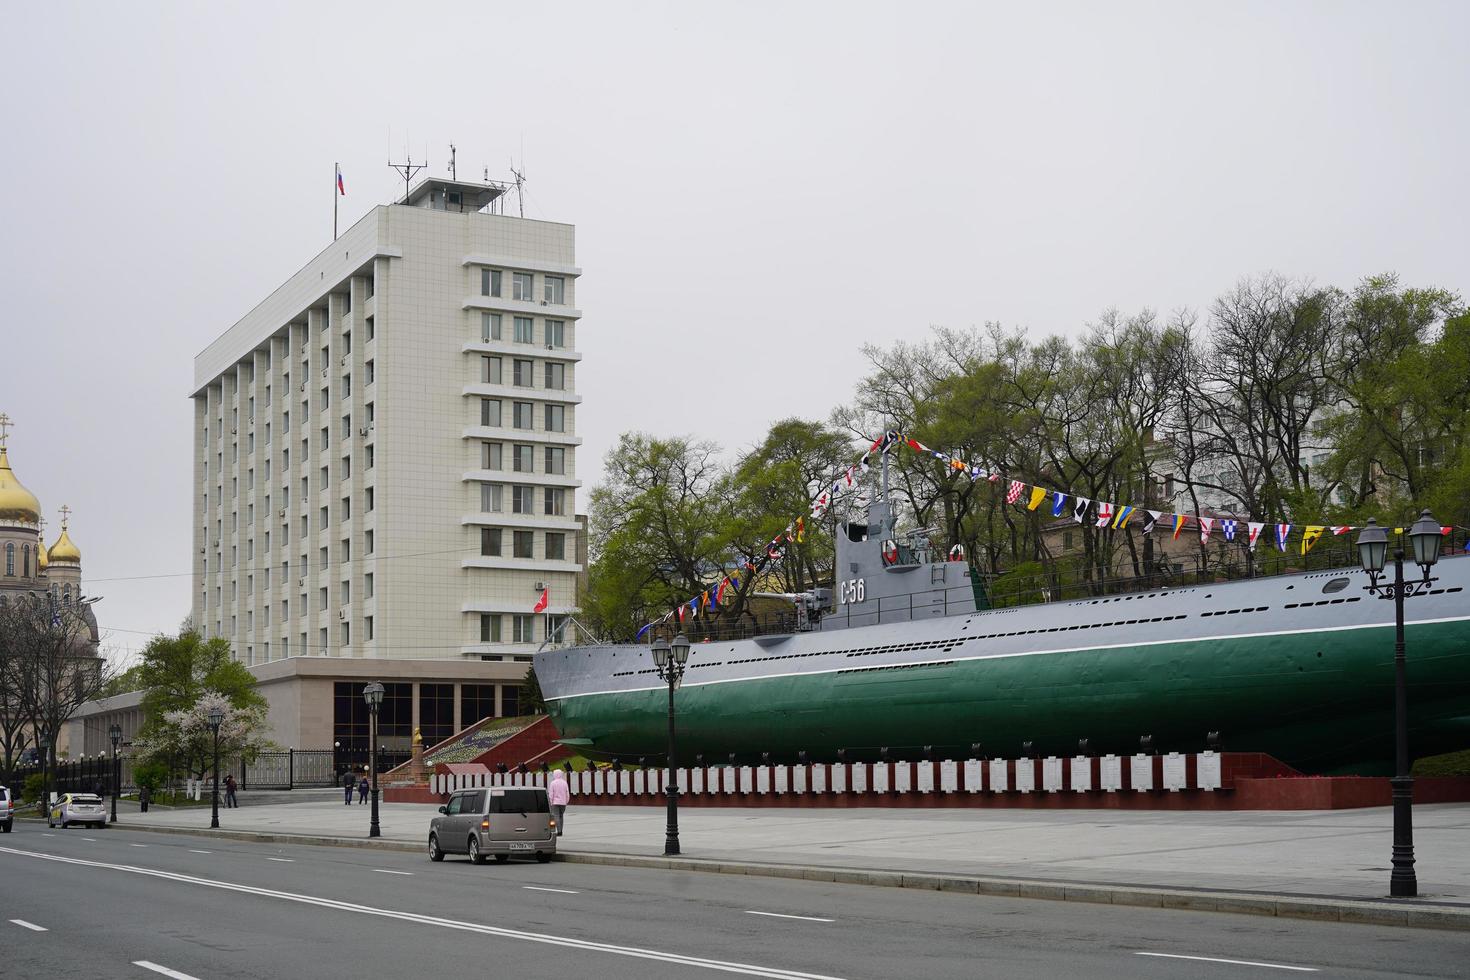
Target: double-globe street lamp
[(115, 733), (670, 659), (215, 719), (1425, 538), (373, 695)]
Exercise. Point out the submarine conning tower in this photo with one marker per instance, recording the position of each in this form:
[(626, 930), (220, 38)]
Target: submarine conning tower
[(882, 577)]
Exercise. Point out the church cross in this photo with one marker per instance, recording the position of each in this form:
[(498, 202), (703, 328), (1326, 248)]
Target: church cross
[(65, 513), (5, 426)]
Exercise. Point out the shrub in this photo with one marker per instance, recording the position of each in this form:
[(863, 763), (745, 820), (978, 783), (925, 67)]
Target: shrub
[(33, 787), (150, 775)]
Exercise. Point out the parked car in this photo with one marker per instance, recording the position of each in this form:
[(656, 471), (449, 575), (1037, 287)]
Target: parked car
[(496, 822), (7, 810), (84, 808)]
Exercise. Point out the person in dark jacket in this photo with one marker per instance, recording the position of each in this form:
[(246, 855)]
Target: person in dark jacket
[(362, 789), (230, 787), (349, 783)]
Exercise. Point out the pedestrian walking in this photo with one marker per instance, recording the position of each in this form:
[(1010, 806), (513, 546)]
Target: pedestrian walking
[(559, 794), (230, 787), (349, 783), (362, 790)]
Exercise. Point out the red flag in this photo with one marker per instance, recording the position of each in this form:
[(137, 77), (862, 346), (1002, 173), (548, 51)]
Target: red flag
[(542, 602)]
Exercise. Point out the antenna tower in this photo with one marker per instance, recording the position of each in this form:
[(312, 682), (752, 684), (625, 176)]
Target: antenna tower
[(452, 174), (407, 170), (520, 176)]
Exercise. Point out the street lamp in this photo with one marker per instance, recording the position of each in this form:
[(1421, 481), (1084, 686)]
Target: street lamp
[(115, 733), (216, 718), (1426, 540), (373, 695), (669, 660)]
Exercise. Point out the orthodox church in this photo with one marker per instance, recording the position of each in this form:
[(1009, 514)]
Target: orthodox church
[(27, 565)]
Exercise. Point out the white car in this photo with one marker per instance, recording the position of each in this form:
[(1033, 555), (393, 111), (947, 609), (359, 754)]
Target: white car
[(84, 808), (7, 810)]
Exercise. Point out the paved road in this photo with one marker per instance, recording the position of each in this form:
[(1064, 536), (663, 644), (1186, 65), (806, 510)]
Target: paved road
[(206, 908)]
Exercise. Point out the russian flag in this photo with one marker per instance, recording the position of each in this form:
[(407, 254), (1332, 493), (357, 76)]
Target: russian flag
[(340, 188)]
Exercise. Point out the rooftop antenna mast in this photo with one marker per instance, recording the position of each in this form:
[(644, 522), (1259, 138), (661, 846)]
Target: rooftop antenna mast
[(520, 176), (407, 170), (453, 175)]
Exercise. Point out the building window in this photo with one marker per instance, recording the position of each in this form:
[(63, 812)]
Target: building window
[(367, 627), (346, 472), (521, 287), (510, 700), (371, 455), (346, 634), (524, 329), (489, 327), (490, 541), (490, 370), (367, 590), (490, 412), (490, 498), (554, 291), (523, 628), (556, 501), (556, 418), (346, 591), (556, 546), (347, 341), (371, 330), (556, 333), (10, 558), (372, 372), (367, 540), (489, 282), (522, 457), (522, 500), (322, 593), (491, 456), (521, 414), (436, 712), (489, 628), (346, 386), (370, 496), (556, 460), (523, 544), (522, 373), (556, 375), (25, 561), (346, 427), (477, 701)]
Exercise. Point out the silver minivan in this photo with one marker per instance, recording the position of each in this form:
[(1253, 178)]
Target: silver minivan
[(494, 821)]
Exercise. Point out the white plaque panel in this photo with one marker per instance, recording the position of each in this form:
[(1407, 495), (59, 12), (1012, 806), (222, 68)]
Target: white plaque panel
[(1025, 775), (926, 777), (1207, 765), (763, 779), (1141, 772), (1174, 773), (625, 783), (1110, 773), (599, 782), (949, 775), (999, 776), (819, 779), (880, 777), (903, 777), (858, 776), (1051, 774), (782, 782), (747, 779), (798, 779), (640, 781), (840, 771), (1081, 773), (696, 780)]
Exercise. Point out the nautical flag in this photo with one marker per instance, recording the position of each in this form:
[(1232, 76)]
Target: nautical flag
[(680, 611), (735, 583), (1014, 493), (1254, 530), (1446, 530), (645, 629), (1124, 515), (1310, 534), (976, 473), (341, 189), (1037, 496), (1059, 500), (918, 446), (848, 476), (1283, 531), (543, 602), (1206, 524), (800, 530), (994, 478), (1104, 514), (1079, 511), (1178, 525), (1340, 529), (1153, 518), (694, 605), (955, 463), (1228, 529), (820, 506)]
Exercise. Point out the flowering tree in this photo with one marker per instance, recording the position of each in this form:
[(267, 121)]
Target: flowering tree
[(183, 738)]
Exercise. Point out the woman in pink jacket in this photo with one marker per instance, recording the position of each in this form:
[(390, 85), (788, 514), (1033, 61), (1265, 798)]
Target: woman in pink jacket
[(558, 793)]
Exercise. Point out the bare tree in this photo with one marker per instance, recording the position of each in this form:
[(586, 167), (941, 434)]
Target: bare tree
[(14, 723)]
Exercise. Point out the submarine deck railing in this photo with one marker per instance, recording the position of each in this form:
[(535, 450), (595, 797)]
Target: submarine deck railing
[(1327, 556)]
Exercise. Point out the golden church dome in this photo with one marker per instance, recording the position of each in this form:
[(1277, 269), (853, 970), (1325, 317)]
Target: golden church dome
[(63, 549), (16, 502), (41, 561)]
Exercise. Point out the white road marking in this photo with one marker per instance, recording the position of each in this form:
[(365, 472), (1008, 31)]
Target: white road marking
[(192, 851), (1215, 959), (164, 970), (546, 939), (385, 871), (778, 915), (29, 925), (559, 891), (137, 845), (283, 860), (92, 839), (47, 835)]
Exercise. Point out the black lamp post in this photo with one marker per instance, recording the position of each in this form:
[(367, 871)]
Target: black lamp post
[(373, 695), (1425, 539), (670, 659), (216, 718), (115, 733)]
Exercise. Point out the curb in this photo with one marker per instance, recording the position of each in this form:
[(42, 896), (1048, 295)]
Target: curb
[(1361, 911)]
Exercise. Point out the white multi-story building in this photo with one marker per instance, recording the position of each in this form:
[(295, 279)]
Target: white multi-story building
[(385, 447)]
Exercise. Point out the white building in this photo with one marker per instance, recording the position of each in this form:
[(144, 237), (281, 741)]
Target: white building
[(385, 447)]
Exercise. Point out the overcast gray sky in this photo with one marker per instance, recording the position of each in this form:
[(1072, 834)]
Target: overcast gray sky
[(758, 189)]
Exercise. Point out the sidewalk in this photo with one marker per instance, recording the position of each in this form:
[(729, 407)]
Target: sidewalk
[(1336, 853)]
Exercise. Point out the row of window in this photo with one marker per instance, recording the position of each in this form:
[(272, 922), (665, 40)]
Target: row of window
[(523, 415), (25, 553), (523, 458), (523, 330), (523, 371), (523, 499), (522, 544), (522, 287), (522, 627)]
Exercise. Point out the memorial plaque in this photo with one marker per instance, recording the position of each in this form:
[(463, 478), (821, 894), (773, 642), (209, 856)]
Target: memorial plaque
[(625, 783), (640, 782), (1025, 775), (1111, 773), (782, 779), (999, 776), (1141, 772), (747, 779), (599, 782), (763, 779), (903, 777), (926, 777), (1207, 765), (1051, 774), (819, 778), (858, 777), (949, 775), (1175, 778), (696, 780), (798, 779), (880, 777), (839, 772), (1081, 773)]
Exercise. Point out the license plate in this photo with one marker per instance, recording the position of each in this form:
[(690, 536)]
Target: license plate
[(516, 845)]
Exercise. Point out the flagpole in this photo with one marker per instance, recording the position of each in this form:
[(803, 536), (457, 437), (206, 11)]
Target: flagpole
[(336, 169)]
